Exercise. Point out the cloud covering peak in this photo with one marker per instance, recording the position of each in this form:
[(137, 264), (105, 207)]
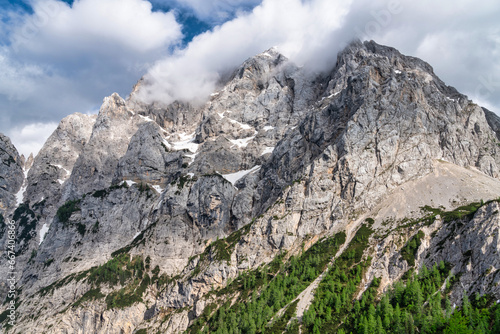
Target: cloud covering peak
[(303, 32), (312, 32)]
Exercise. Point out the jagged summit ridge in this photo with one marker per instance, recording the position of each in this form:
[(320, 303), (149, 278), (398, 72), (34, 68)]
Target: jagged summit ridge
[(282, 157)]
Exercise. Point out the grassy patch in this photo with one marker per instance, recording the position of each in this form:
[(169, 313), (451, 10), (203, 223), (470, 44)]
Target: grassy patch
[(409, 251), (105, 192), (67, 209), (92, 294), (128, 295), (221, 249)]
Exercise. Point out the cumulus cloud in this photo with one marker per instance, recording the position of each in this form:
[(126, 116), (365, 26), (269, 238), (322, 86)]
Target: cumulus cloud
[(30, 138), (94, 26), (301, 32), (62, 59), (458, 38)]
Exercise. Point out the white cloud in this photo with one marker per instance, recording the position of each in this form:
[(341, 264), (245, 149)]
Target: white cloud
[(96, 26), (458, 38), (63, 59), (30, 138), (301, 32)]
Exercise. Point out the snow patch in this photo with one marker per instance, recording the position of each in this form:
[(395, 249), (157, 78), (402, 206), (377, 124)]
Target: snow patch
[(268, 127), (242, 143), (43, 232), (191, 175), (20, 195), (146, 118), (158, 188), (60, 181), (221, 114), (64, 169), (234, 177), (397, 71), (192, 157), (267, 150), (243, 126), (332, 95), (129, 182), (186, 142), (167, 144)]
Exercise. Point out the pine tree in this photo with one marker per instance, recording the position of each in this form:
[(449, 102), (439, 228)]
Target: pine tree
[(496, 324), (380, 327), (466, 305), (397, 319)]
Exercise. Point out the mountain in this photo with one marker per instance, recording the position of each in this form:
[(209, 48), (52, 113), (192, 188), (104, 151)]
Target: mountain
[(362, 199)]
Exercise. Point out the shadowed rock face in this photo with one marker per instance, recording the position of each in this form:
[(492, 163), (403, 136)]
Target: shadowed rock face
[(11, 175), (299, 156)]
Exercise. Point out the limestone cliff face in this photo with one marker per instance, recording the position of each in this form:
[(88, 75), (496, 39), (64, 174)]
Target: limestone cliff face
[(276, 159), (11, 175)]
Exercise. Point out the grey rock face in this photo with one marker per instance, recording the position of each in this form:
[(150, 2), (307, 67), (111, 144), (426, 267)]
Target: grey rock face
[(95, 167), (209, 203), (473, 250), (11, 175), (386, 116), (493, 121), (54, 163), (148, 158)]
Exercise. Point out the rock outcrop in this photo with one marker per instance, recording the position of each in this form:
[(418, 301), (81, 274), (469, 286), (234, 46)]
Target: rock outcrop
[(11, 175)]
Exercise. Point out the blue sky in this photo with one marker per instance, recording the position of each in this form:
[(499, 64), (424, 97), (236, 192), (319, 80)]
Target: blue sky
[(60, 57)]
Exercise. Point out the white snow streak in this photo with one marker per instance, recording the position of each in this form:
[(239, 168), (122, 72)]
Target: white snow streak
[(267, 150), (234, 177), (187, 142), (20, 195), (192, 157), (136, 235), (129, 182), (243, 126), (146, 118), (43, 232), (61, 167), (158, 188), (242, 143)]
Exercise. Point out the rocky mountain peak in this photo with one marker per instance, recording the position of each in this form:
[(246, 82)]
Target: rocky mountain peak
[(376, 163), (114, 106)]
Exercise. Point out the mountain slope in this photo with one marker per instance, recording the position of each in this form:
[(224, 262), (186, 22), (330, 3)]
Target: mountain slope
[(167, 213)]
